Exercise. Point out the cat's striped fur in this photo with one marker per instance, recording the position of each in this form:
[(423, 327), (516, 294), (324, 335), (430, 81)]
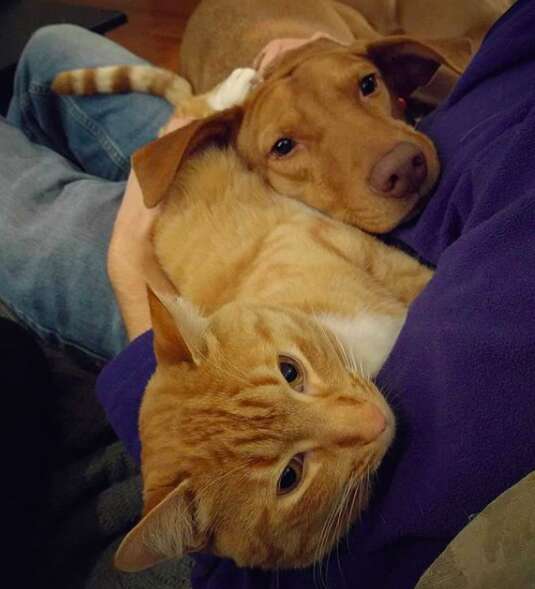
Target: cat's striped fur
[(117, 79), (158, 82)]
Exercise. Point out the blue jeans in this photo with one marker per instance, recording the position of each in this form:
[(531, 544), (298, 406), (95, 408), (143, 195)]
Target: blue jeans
[(64, 162)]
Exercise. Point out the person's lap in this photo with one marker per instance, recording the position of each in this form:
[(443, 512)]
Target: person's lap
[(55, 224), (59, 199), (98, 133)]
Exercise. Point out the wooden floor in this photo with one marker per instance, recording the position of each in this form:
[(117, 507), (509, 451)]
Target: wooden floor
[(154, 27)]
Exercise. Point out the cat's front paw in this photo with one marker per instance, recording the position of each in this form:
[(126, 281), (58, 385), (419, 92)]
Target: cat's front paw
[(234, 90)]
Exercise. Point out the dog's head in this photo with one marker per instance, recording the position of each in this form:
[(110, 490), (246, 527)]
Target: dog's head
[(326, 128)]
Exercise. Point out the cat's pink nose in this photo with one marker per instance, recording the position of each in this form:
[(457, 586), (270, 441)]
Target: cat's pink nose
[(357, 422), (374, 422)]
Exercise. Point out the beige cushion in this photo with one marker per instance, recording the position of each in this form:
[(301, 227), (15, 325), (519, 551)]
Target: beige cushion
[(495, 550)]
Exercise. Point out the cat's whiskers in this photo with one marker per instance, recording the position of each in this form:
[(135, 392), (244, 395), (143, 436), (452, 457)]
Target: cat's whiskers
[(354, 494), (318, 561), (330, 531), (321, 559), (359, 492), (364, 491), (343, 352), (330, 335), (339, 530), (352, 362), (359, 367), (340, 524), (348, 357), (390, 396)]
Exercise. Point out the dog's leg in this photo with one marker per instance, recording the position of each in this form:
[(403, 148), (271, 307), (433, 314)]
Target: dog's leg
[(356, 22), (402, 275)]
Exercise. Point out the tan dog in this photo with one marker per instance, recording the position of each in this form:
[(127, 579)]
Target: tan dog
[(325, 126)]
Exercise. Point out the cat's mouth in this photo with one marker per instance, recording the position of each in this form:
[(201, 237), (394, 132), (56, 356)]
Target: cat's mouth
[(381, 445), (386, 436)]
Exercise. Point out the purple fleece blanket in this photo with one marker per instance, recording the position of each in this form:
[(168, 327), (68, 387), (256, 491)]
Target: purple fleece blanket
[(462, 374)]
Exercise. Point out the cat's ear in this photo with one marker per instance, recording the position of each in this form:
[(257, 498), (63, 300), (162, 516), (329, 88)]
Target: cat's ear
[(169, 530), (157, 163), (178, 329)]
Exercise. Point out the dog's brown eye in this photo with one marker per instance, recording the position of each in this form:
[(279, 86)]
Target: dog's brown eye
[(283, 146), (291, 475), (292, 372), (368, 84)]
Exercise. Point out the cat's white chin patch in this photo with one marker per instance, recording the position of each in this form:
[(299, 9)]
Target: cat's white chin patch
[(367, 338)]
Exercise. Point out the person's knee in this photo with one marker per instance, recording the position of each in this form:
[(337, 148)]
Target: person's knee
[(48, 51), (54, 40), (56, 37)]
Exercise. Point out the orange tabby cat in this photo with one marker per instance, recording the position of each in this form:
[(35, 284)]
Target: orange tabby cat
[(260, 427)]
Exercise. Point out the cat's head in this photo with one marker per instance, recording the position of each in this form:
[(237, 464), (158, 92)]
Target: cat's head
[(258, 438)]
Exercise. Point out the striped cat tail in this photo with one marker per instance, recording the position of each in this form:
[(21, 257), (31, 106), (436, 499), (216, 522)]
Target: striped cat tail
[(117, 79)]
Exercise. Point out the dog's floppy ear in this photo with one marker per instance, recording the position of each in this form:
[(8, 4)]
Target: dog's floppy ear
[(157, 163), (407, 63)]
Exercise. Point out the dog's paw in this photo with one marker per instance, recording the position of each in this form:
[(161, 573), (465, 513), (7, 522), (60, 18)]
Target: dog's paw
[(233, 91)]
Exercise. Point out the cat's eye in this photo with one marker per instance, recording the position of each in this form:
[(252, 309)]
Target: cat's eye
[(292, 372), (283, 146), (291, 475), (368, 84)]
